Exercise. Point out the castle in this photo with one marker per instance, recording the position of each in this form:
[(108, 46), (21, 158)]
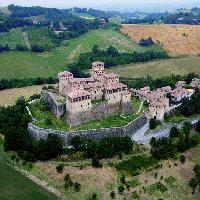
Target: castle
[(82, 100), (80, 92)]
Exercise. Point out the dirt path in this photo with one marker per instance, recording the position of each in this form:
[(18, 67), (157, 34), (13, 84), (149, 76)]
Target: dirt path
[(26, 40)]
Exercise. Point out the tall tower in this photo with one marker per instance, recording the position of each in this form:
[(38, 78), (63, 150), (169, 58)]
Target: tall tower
[(64, 78), (97, 69)]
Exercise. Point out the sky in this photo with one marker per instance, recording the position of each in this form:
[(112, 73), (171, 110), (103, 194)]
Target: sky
[(108, 4)]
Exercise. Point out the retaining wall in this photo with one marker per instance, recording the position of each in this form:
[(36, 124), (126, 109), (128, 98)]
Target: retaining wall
[(129, 130)]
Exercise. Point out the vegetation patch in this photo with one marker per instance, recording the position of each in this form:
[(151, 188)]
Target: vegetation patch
[(171, 181), (136, 164), (12, 38), (151, 189)]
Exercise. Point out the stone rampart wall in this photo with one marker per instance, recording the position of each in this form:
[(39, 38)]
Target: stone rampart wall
[(129, 130)]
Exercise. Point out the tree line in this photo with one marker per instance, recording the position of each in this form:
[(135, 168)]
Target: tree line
[(112, 57), (17, 83)]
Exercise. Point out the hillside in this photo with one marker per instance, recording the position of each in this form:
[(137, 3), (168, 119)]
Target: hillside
[(155, 69), (176, 39), (16, 186), (15, 64)]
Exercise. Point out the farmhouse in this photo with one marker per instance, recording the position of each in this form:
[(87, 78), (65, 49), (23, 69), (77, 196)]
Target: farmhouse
[(195, 83), (101, 95)]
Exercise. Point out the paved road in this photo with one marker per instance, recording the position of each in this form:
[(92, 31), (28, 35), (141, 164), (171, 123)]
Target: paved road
[(142, 136)]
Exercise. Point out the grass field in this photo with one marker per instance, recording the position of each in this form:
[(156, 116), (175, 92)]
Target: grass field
[(29, 64), (41, 36), (15, 186), (83, 15), (158, 68), (12, 38), (177, 39), (60, 124)]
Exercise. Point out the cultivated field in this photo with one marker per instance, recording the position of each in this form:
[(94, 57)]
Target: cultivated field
[(12, 38), (177, 39), (159, 68), (9, 96), (28, 64)]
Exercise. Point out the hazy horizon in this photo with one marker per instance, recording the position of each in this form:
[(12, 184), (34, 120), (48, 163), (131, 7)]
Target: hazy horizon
[(109, 4)]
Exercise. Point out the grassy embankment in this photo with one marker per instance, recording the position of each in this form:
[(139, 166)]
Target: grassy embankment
[(15, 186), (60, 124)]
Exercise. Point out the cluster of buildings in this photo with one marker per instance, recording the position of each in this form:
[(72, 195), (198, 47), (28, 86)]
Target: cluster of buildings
[(80, 92), (102, 95), (159, 100)]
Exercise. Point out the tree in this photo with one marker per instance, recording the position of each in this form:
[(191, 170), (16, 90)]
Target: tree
[(95, 49), (198, 127), (182, 159), (197, 171), (60, 168), (77, 187), (112, 51), (193, 183), (174, 132), (153, 123), (77, 142)]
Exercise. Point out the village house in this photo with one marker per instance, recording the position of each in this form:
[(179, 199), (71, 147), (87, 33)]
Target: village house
[(195, 84), (158, 100)]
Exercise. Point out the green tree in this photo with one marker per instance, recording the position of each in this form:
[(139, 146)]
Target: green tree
[(193, 183), (174, 132), (112, 51), (198, 127)]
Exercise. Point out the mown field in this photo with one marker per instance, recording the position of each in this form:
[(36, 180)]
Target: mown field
[(9, 96), (15, 186), (176, 39), (159, 68), (28, 64)]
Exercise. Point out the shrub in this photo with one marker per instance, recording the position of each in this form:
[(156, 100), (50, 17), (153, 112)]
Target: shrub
[(134, 195), (182, 159), (153, 123), (60, 168), (123, 178), (112, 195), (77, 187), (68, 181), (94, 196), (198, 127), (37, 48), (174, 132), (121, 188), (96, 163), (21, 47), (136, 164)]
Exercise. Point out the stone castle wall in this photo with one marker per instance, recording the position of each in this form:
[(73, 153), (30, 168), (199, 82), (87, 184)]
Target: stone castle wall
[(97, 112), (129, 130), (102, 110), (57, 108)]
